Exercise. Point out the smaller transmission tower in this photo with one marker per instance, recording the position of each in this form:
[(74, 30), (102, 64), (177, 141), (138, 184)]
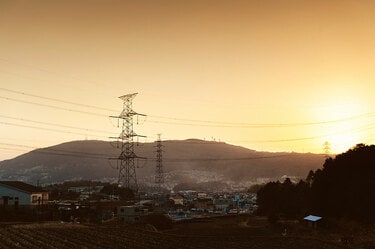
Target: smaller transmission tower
[(126, 160), (327, 148), (159, 176)]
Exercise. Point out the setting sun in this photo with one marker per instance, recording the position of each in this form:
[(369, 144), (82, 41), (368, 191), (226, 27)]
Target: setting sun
[(346, 121)]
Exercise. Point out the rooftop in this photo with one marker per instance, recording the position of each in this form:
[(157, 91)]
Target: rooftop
[(312, 218), (21, 186)]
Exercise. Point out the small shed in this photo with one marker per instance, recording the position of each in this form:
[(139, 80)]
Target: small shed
[(128, 214), (312, 220)]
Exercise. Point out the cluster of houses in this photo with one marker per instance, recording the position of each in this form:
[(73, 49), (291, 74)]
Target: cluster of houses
[(193, 202), (189, 204), (20, 193), (182, 204)]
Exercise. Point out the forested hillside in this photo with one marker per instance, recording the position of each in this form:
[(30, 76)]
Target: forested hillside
[(343, 188)]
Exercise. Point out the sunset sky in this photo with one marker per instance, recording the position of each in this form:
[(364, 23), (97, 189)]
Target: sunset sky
[(269, 75)]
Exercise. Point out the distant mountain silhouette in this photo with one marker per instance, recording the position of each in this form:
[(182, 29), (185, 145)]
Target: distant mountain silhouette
[(189, 161)]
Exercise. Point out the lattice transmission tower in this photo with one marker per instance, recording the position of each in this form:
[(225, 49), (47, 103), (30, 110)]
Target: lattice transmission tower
[(127, 176), (159, 176), (327, 148)]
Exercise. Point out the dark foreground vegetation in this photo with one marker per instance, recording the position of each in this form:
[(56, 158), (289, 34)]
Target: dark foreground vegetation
[(234, 232), (343, 189)]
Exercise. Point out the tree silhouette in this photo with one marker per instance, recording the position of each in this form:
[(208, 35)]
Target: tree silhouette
[(344, 187), (284, 199)]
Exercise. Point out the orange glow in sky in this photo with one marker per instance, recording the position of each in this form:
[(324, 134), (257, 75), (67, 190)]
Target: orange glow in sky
[(267, 75)]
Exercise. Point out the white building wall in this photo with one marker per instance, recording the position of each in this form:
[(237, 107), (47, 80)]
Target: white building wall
[(37, 199)]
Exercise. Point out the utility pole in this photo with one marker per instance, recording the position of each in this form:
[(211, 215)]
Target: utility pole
[(159, 176), (127, 176)]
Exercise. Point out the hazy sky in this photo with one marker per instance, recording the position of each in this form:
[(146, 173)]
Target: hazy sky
[(268, 75)]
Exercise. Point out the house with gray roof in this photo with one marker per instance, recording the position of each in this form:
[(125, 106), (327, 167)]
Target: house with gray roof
[(20, 193)]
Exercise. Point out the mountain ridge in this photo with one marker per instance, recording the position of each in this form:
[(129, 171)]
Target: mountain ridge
[(190, 161)]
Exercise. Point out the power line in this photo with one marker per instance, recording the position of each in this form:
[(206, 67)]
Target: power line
[(208, 123), (369, 127), (13, 149), (53, 124), (285, 125), (47, 70), (253, 141), (60, 151), (49, 129), (175, 160), (56, 100), (193, 122), (52, 106), (105, 156), (70, 155), (252, 125), (39, 68)]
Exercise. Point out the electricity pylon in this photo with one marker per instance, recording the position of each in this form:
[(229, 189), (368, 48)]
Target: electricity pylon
[(159, 176), (327, 148), (127, 176)]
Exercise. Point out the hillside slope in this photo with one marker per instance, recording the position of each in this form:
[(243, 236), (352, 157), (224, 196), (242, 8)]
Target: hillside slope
[(188, 161)]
